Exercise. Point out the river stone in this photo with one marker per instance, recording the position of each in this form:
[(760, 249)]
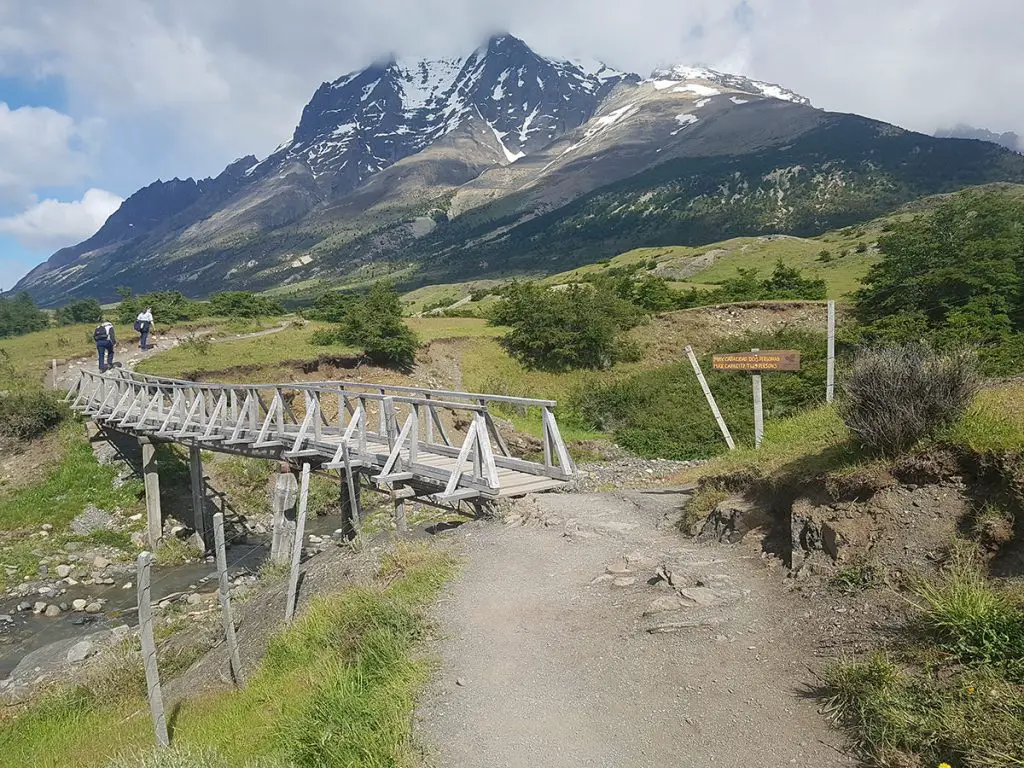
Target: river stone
[(93, 608), (99, 562), (38, 607), (52, 611), (5, 618), (24, 606), (619, 568), (63, 571), (194, 599), (79, 605), (80, 651), (624, 581)]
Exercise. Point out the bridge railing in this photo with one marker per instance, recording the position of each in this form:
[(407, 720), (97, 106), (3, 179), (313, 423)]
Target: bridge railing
[(394, 429)]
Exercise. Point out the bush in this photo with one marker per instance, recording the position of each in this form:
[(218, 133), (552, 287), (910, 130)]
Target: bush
[(324, 337), (897, 395), (20, 315), (561, 330), (26, 415), (81, 311)]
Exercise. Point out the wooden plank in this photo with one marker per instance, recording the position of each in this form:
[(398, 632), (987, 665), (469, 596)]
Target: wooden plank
[(758, 408), (710, 398)]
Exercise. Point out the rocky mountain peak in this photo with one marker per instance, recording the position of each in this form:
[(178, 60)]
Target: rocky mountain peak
[(702, 81)]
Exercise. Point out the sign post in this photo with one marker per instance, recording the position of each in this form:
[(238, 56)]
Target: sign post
[(830, 371), (758, 408), (755, 362)]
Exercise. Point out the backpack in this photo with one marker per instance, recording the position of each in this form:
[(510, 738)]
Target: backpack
[(138, 325), (101, 333)]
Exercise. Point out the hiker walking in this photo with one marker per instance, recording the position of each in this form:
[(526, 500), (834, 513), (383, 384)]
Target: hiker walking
[(143, 324), (105, 340)]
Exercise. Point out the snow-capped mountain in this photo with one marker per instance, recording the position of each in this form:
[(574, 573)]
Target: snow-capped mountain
[(507, 160), (366, 121), (702, 81)]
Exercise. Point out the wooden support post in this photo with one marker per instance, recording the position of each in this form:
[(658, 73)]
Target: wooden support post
[(151, 476), (153, 692), (300, 527), (758, 408), (351, 513), (199, 521), (830, 369), (53, 371), (285, 492), (710, 398), (401, 521), (225, 598)]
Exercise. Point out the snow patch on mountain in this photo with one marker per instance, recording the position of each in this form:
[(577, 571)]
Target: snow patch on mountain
[(681, 80)]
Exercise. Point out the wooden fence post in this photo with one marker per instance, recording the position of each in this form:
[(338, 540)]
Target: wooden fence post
[(153, 692), (830, 373), (300, 527), (225, 597), (710, 398), (758, 408), (195, 465)]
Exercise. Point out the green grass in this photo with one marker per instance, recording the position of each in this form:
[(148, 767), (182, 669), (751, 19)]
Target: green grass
[(76, 481), (952, 692), (842, 273), (994, 423), (336, 688), (274, 356)]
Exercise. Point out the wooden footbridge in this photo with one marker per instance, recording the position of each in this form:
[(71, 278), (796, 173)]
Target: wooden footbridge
[(438, 447)]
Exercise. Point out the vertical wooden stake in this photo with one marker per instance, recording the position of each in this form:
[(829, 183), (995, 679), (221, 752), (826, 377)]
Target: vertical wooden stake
[(195, 464), (153, 692), (225, 597), (300, 527), (710, 398), (354, 516), (758, 408), (830, 374), (154, 515), (53, 370), (401, 521)]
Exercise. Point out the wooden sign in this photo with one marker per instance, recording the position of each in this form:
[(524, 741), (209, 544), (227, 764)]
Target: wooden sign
[(765, 360)]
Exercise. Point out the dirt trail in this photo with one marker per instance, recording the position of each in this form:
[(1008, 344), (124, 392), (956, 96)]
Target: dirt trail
[(548, 658), (129, 355)]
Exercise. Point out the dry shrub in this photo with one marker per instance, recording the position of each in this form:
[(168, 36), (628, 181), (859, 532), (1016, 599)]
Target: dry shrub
[(897, 395)]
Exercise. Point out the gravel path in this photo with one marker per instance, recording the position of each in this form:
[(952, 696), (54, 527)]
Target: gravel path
[(549, 661)]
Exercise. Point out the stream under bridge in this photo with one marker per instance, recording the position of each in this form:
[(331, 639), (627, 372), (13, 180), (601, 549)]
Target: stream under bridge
[(437, 447)]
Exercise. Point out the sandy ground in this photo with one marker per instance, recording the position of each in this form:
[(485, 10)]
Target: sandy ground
[(548, 657)]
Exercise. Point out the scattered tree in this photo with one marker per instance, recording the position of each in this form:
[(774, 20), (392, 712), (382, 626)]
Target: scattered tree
[(558, 330), (243, 304), (81, 311), (373, 322), (20, 315)]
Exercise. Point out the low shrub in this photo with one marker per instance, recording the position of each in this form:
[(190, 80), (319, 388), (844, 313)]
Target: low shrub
[(897, 395), (25, 415), (323, 337)]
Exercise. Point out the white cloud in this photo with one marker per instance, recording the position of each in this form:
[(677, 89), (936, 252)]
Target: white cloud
[(205, 82), (42, 147), (53, 224)]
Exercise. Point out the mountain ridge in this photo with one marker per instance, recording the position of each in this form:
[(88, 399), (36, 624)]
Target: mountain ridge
[(423, 168)]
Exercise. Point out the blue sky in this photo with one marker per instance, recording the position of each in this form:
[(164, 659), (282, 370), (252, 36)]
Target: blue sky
[(102, 97)]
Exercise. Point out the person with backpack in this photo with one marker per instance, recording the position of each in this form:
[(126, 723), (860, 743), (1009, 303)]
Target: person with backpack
[(144, 324), (105, 340)]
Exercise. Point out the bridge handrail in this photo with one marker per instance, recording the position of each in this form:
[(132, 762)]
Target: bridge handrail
[(528, 402)]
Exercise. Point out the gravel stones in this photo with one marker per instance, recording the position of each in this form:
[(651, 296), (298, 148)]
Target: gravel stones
[(63, 571), (99, 562), (91, 519), (79, 605), (52, 611)]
